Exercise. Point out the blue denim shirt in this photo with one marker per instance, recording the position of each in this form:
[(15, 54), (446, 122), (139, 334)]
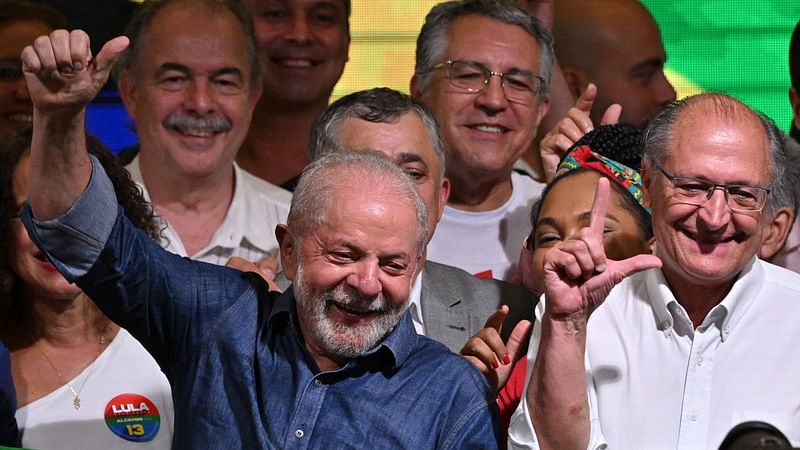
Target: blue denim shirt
[(240, 373)]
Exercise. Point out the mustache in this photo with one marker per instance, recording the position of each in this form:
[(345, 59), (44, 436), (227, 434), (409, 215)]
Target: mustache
[(210, 123), (352, 299)]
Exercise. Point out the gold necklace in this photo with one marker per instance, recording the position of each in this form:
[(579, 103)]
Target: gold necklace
[(76, 402)]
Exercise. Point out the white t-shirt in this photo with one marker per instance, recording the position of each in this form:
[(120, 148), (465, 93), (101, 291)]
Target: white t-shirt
[(248, 230), (125, 403), (654, 382), (487, 243)]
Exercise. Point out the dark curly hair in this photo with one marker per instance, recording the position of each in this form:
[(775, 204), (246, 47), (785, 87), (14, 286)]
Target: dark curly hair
[(620, 142), (16, 144)]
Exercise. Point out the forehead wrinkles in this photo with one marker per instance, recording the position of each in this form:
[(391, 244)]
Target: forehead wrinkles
[(183, 34), (723, 123), (512, 48)]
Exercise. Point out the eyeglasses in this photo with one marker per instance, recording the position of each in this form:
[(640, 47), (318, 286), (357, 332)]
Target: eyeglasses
[(694, 191), (519, 86)]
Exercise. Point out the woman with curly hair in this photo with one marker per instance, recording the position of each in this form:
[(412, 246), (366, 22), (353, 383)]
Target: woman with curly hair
[(612, 152), (81, 381)]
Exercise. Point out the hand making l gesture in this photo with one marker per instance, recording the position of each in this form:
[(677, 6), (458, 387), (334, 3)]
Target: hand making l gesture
[(577, 274)]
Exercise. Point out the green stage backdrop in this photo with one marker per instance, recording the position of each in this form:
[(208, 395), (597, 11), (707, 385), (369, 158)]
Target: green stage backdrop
[(734, 46), (740, 47)]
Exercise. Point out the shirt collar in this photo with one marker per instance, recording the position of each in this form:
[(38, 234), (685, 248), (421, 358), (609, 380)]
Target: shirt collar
[(669, 314), (240, 214), (415, 305), (237, 226), (399, 344)]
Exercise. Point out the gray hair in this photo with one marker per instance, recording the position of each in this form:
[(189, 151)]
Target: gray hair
[(787, 192), (365, 170), (377, 105), (432, 39), (139, 28), (659, 132)]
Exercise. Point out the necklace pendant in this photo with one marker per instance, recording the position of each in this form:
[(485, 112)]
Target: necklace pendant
[(77, 402)]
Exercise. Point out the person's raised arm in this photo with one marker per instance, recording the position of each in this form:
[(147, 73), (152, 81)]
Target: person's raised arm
[(577, 279), (62, 78)]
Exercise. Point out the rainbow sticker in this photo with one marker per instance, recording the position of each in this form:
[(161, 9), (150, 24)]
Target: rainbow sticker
[(133, 417)]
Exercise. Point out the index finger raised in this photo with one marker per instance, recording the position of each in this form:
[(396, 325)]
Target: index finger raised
[(597, 219), (586, 100), (496, 319)]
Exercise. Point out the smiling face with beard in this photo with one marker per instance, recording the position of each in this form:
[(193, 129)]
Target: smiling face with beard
[(352, 269), (343, 339)]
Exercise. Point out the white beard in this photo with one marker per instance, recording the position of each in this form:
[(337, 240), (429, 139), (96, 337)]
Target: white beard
[(340, 340)]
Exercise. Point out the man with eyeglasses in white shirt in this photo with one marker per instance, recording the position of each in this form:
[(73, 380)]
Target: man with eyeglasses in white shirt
[(483, 68), (677, 355)]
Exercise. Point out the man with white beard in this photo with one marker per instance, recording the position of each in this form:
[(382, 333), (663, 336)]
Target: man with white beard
[(334, 363)]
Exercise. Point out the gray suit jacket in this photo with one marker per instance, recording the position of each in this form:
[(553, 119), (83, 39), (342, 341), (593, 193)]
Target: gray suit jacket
[(455, 304)]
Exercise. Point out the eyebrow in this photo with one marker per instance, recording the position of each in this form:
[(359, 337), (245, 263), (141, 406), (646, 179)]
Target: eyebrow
[(746, 183), (166, 67), (585, 216), (356, 248), (649, 64), (512, 70), (408, 157)]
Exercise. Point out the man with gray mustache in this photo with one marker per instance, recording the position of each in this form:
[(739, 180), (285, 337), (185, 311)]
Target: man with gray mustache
[(190, 80)]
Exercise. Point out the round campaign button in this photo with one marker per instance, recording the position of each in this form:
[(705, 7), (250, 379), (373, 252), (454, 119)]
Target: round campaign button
[(133, 417)]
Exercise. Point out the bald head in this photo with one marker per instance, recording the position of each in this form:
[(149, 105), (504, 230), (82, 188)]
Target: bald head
[(615, 44)]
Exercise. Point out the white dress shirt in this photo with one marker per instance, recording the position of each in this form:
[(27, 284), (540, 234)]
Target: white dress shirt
[(415, 305), (655, 382), (248, 230)]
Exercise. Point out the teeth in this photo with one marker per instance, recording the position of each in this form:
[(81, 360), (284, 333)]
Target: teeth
[(20, 117), (489, 128), (296, 63), (198, 133), (352, 311)]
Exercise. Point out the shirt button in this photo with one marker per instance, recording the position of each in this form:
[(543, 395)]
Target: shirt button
[(317, 383), (700, 361), (299, 434), (694, 416)]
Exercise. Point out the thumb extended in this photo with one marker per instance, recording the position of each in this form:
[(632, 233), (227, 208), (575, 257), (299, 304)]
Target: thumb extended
[(109, 54), (517, 339), (636, 264)]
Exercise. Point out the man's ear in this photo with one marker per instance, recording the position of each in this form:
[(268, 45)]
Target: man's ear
[(651, 245), (646, 180), (794, 98), (288, 251), (776, 233), (444, 194), (415, 88), (127, 90), (254, 96), (576, 81)]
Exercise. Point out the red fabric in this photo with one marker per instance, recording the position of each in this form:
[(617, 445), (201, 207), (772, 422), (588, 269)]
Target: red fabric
[(509, 397), (484, 274)]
